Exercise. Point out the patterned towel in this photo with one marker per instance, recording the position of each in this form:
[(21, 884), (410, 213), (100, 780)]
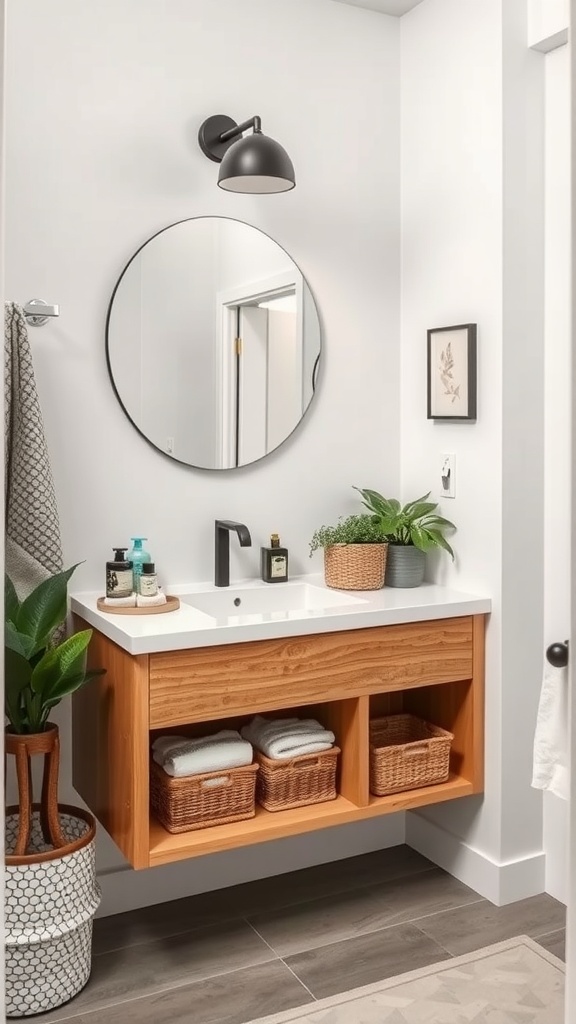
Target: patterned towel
[(33, 546)]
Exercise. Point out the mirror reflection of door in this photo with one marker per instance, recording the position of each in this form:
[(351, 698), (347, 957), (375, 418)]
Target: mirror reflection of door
[(268, 366)]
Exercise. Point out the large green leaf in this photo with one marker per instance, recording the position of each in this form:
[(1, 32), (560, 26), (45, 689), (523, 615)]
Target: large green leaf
[(389, 524), (421, 509), (418, 501), (17, 642), (45, 608), (419, 538), (11, 602), (441, 541), (70, 685), (439, 521), (377, 503), (17, 674), (60, 664)]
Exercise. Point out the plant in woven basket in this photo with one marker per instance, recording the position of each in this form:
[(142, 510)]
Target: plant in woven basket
[(39, 668), (416, 523), (354, 553), (356, 529)]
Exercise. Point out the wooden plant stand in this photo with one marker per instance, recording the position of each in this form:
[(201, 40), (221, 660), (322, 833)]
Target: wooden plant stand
[(24, 747)]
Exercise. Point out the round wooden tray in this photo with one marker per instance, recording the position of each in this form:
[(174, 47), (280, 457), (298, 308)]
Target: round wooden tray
[(172, 604)]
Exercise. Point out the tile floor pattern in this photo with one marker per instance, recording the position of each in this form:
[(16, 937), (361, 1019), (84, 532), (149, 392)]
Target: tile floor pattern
[(512, 982), (242, 953)]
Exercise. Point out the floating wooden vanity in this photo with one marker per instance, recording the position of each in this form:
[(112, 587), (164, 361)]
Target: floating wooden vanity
[(432, 668)]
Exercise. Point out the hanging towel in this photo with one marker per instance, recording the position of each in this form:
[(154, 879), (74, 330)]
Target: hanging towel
[(551, 738), (33, 546)]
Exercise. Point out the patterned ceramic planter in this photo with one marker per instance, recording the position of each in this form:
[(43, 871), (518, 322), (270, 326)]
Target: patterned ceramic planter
[(51, 897)]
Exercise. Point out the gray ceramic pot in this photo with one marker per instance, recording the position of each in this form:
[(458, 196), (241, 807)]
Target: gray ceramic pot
[(404, 566)]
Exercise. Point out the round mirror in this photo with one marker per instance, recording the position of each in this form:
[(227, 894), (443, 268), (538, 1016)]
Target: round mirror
[(213, 343)]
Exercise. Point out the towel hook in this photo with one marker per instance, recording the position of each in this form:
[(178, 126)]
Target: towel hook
[(557, 654), (38, 312)]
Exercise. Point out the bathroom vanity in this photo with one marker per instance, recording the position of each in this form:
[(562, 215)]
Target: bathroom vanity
[(341, 658)]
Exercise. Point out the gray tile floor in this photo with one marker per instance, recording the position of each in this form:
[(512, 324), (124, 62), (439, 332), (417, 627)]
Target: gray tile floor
[(235, 955)]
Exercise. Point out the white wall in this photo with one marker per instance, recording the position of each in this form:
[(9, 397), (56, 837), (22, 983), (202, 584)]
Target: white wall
[(115, 92), (472, 200), (557, 416)]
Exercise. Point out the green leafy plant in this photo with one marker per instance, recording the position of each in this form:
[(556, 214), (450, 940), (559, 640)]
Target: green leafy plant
[(40, 670), (356, 529), (416, 523)]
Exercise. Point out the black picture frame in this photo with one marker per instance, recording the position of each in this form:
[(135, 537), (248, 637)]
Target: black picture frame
[(451, 372)]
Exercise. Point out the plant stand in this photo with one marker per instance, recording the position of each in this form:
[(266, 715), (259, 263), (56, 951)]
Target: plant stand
[(24, 746)]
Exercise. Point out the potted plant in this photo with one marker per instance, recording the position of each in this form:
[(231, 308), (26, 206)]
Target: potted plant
[(354, 553), (51, 890), (411, 530)]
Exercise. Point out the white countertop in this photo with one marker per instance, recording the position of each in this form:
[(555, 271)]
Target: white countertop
[(189, 627)]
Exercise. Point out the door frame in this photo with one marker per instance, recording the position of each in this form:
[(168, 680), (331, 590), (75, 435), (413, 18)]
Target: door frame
[(227, 302)]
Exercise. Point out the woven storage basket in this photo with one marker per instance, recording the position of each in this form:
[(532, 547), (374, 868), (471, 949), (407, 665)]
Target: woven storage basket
[(355, 566), (407, 753), (199, 801), (308, 779)]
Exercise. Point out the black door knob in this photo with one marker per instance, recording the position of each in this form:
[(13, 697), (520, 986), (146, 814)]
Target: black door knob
[(557, 654)]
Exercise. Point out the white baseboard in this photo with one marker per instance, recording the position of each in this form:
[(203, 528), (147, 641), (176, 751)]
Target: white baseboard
[(125, 889), (501, 883)]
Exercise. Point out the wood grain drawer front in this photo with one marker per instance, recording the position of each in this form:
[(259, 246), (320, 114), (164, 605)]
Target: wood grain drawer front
[(218, 682)]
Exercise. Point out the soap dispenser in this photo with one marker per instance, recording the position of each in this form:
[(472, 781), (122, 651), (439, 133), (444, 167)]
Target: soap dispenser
[(138, 556), (274, 562), (119, 579)]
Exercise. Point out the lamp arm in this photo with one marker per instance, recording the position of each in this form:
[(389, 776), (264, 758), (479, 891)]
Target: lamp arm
[(252, 122)]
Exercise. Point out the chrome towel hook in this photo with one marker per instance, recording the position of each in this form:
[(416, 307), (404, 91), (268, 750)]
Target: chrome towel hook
[(38, 312)]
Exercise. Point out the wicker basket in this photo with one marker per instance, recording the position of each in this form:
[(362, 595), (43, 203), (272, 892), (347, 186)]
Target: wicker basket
[(355, 566), (308, 779), (407, 753), (200, 801)]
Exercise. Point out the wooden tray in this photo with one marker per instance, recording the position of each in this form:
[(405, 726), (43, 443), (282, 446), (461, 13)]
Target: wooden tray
[(172, 604)]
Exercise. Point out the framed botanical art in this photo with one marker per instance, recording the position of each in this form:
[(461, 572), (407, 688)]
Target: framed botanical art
[(452, 373)]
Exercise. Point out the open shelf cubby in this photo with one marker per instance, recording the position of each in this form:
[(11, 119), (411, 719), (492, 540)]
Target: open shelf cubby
[(434, 670)]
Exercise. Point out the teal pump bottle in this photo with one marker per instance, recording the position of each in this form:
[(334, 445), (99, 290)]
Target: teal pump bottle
[(138, 556)]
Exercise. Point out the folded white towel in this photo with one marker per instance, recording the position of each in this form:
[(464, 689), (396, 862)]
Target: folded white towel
[(284, 738), (164, 744), (225, 749), (261, 729), (282, 750), (121, 602), (143, 602), (550, 770), (260, 726)]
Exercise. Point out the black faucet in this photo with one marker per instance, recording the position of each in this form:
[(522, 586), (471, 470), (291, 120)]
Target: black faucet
[(222, 529)]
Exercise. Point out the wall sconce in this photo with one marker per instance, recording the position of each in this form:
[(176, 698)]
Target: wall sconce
[(255, 164)]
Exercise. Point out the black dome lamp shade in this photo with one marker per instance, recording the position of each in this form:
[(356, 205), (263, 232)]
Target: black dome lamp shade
[(255, 164)]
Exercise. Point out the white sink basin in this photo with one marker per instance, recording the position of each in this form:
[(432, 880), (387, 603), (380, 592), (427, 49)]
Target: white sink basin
[(278, 600)]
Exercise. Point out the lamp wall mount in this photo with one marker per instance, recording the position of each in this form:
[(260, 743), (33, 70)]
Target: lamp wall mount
[(219, 132)]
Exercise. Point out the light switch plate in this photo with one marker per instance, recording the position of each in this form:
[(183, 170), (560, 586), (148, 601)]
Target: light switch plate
[(448, 475)]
